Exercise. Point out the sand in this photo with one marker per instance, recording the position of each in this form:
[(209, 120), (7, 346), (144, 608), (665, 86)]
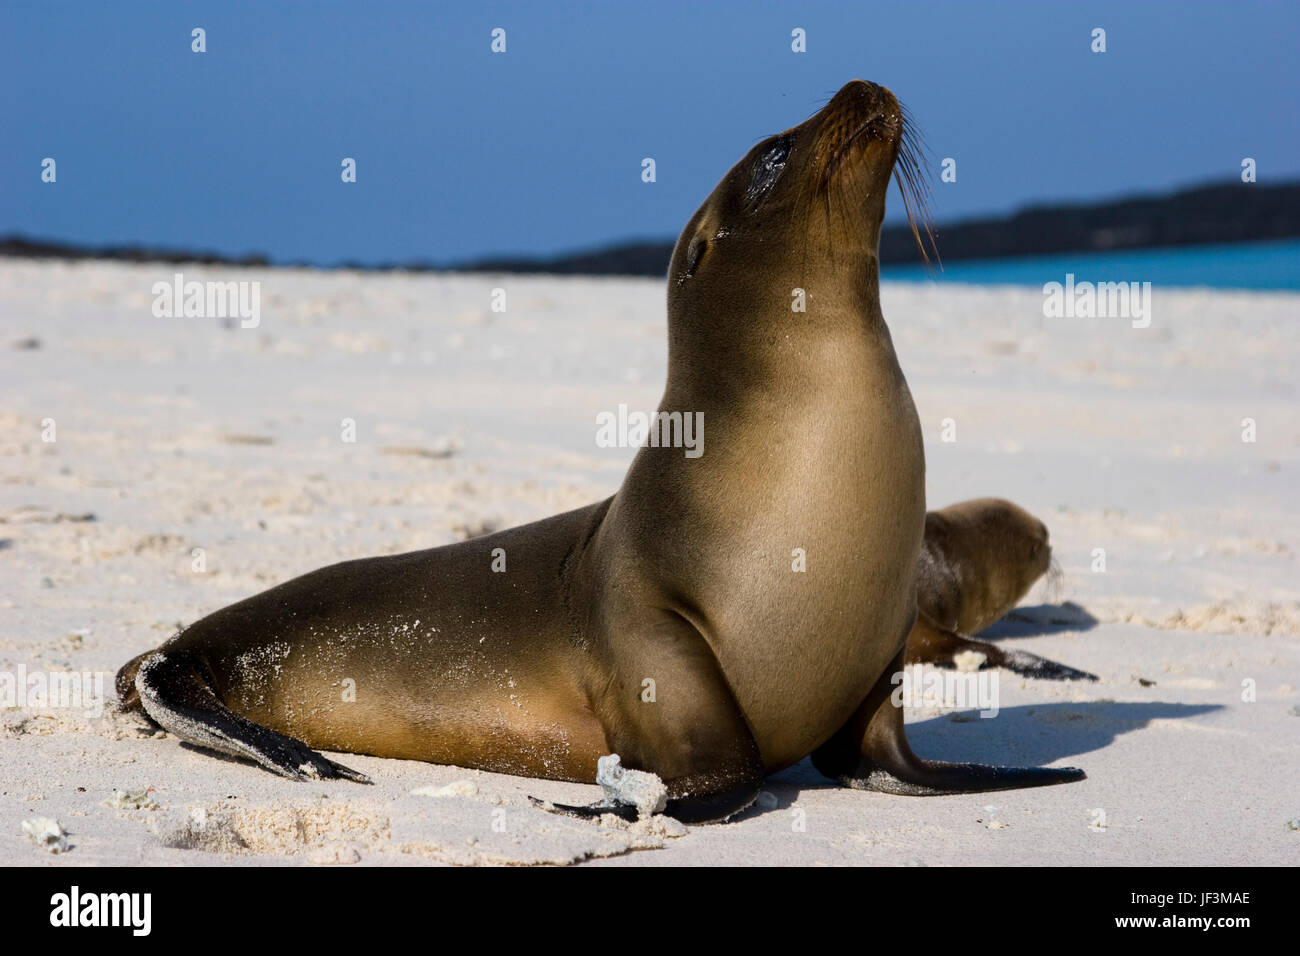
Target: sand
[(178, 434)]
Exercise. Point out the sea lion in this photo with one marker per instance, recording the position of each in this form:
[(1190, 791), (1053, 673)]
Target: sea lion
[(978, 559), (667, 624)]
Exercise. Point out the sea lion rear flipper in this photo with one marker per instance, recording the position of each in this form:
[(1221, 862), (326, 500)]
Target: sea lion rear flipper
[(930, 643), (175, 692), (871, 752)]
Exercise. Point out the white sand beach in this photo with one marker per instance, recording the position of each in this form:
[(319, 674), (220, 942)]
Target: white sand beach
[(176, 434)]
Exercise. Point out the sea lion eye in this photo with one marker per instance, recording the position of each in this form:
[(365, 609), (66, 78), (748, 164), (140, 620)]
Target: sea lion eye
[(768, 169), (694, 253)]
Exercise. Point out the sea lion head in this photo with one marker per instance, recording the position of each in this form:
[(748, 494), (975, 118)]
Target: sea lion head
[(1021, 536), (997, 551), (801, 206)]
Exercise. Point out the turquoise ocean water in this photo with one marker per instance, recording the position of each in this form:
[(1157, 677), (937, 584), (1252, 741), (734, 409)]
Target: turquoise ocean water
[(1243, 265)]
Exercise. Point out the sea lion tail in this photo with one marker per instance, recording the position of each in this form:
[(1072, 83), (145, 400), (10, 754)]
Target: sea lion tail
[(175, 690)]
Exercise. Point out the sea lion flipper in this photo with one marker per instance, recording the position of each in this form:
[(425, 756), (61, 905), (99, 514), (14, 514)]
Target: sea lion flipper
[(943, 779), (704, 808), (934, 644), (175, 693), (871, 752), (591, 811), (127, 696), (691, 732), (1031, 665), (931, 643)]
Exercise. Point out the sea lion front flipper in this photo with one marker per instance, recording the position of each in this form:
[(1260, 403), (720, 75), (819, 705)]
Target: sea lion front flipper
[(931, 643), (871, 752), (175, 693), (691, 731), (694, 808), (591, 811)]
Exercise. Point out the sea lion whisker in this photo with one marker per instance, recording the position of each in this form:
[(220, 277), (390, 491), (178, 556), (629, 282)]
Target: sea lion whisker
[(1054, 582), (910, 173), (842, 148)]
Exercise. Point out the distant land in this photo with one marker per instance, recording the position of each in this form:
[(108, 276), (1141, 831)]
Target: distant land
[(1224, 212)]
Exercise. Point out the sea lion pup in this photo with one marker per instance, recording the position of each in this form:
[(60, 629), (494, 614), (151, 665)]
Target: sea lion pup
[(978, 559), (666, 624)]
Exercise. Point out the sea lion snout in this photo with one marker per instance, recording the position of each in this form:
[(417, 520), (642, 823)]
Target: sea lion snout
[(1041, 554), (1040, 548), (865, 135), (862, 91), (1011, 527), (860, 114)]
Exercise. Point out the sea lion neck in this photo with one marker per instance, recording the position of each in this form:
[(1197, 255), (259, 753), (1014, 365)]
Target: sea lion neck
[(777, 329)]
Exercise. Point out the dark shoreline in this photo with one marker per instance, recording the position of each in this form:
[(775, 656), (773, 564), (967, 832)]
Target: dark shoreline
[(1216, 213)]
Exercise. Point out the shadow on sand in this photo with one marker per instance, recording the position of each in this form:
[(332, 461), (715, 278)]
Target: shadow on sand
[(1035, 619)]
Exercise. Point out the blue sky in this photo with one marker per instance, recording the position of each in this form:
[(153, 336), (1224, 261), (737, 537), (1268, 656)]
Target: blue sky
[(463, 153)]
